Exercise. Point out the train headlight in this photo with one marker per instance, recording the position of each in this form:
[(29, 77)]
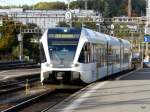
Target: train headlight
[(74, 65), (49, 65)]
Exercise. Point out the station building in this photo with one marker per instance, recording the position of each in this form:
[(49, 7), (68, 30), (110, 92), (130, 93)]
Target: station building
[(45, 18)]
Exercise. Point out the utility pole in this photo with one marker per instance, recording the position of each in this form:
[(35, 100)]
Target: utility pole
[(86, 7), (147, 29), (68, 15), (68, 4), (129, 8), (20, 39)]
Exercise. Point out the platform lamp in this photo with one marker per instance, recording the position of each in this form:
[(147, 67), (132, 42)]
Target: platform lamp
[(112, 29)]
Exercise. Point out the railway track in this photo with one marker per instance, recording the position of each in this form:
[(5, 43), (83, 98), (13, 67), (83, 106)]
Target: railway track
[(17, 64), (16, 86), (16, 92), (46, 100)]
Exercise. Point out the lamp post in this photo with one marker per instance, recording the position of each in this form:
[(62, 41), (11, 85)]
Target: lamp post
[(112, 29), (99, 26), (20, 40)]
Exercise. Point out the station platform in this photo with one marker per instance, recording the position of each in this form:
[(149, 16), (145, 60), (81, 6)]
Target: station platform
[(128, 93), (15, 73)]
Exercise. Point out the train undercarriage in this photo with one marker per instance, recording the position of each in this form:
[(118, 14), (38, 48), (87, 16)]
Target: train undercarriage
[(62, 77)]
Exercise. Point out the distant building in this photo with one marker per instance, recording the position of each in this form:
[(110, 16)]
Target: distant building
[(44, 18)]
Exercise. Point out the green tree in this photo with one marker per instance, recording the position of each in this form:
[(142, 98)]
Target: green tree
[(9, 45), (111, 8), (8, 36), (121, 30)]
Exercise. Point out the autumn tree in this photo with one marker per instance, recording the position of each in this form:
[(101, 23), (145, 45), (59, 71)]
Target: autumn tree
[(50, 5)]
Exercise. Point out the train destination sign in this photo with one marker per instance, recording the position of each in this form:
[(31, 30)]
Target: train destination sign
[(63, 35)]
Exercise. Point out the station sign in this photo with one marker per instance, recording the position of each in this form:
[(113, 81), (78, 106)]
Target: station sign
[(147, 38), (68, 16)]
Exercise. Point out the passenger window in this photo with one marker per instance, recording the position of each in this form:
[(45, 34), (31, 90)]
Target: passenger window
[(42, 54), (86, 54), (126, 56)]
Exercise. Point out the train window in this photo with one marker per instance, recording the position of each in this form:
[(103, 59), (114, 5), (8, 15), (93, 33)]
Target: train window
[(85, 55), (42, 54), (82, 57), (118, 56), (126, 56), (100, 55), (93, 53), (103, 57), (114, 56)]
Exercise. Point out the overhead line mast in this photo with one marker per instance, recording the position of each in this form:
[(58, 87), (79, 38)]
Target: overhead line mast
[(129, 8)]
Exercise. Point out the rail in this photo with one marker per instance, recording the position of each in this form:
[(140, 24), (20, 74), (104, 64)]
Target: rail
[(17, 64), (15, 86), (40, 98)]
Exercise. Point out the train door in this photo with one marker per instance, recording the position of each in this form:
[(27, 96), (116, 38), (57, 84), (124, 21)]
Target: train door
[(101, 60), (109, 60)]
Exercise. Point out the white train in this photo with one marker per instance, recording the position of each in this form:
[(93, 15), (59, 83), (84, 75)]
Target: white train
[(73, 54)]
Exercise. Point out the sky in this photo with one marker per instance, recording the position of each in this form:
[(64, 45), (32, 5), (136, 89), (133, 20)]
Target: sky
[(28, 2)]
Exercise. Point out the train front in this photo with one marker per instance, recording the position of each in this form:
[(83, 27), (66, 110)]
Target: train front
[(60, 45)]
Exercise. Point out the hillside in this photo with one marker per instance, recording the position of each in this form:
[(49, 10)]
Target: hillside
[(111, 8)]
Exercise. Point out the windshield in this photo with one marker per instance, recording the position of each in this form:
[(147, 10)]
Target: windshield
[(62, 45), (62, 55)]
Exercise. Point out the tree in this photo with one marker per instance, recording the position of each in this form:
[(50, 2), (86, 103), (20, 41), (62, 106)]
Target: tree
[(121, 30), (50, 5), (8, 36), (9, 46), (111, 8)]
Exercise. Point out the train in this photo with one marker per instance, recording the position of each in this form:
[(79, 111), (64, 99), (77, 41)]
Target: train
[(73, 54)]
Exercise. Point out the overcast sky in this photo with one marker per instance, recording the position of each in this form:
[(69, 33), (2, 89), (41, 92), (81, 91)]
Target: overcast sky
[(28, 2)]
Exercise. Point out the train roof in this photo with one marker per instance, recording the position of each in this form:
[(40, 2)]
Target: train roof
[(64, 30), (126, 43), (96, 37), (93, 36)]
